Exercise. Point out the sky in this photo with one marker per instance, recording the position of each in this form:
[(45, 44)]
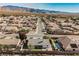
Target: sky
[(64, 7)]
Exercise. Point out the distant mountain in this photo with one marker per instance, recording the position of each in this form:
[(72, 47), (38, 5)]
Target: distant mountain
[(25, 9)]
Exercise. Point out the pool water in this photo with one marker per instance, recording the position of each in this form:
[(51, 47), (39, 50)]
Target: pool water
[(57, 45)]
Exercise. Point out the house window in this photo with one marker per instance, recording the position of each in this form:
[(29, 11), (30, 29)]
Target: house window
[(73, 46), (73, 49)]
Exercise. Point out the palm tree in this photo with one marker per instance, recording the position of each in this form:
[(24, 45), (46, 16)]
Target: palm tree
[(22, 34)]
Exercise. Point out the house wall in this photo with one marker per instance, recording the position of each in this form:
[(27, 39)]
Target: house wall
[(70, 48)]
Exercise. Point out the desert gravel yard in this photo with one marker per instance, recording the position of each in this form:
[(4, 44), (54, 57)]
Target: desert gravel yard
[(9, 41)]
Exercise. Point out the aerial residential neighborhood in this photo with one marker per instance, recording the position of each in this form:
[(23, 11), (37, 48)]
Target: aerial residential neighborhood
[(28, 31)]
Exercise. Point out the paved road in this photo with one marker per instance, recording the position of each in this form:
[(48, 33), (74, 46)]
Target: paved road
[(40, 27)]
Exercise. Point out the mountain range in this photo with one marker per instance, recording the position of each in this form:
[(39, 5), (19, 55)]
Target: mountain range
[(25, 9)]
